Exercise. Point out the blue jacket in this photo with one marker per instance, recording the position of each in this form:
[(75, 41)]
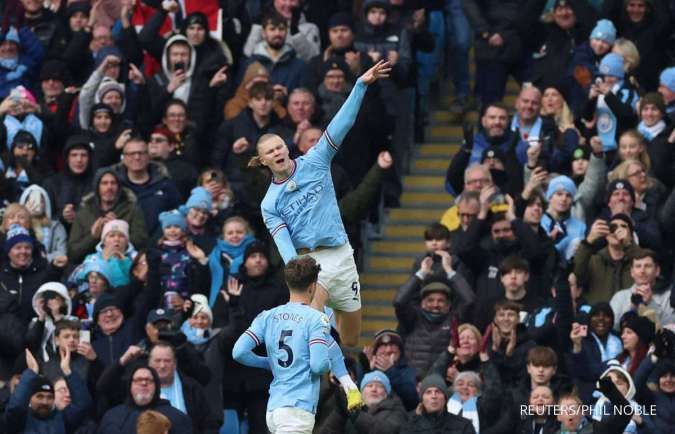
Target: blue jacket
[(402, 378), (155, 196), (31, 53), (573, 232), (481, 143), (20, 418)]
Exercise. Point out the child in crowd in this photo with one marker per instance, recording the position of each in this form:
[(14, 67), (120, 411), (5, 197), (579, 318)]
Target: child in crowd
[(179, 255), (228, 254), (48, 231)]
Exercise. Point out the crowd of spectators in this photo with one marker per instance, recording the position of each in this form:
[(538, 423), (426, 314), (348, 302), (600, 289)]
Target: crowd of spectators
[(134, 253)]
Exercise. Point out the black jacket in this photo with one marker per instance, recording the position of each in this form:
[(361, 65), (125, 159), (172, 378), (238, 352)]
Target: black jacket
[(438, 423)]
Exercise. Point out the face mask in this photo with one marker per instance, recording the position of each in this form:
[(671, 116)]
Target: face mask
[(434, 318), (10, 64)]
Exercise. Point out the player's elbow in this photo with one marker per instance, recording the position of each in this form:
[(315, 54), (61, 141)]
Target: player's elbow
[(239, 351), (319, 366)]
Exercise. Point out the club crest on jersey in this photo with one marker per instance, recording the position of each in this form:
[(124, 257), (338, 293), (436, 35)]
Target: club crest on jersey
[(291, 185)]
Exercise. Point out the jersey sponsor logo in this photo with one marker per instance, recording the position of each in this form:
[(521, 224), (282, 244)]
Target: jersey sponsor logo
[(299, 205)]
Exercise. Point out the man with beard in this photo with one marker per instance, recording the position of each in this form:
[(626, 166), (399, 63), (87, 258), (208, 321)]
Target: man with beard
[(277, 56), (143, 394), (341, 39), (31, 406)]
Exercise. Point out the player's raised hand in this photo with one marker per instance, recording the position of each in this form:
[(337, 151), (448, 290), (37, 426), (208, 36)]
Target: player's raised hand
[(380, 70)]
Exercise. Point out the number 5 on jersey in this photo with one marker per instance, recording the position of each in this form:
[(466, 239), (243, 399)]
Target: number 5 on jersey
[(282, 346)]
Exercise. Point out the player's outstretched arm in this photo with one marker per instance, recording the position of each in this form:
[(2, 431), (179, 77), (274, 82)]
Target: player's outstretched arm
[(346, 116), (243, 352)]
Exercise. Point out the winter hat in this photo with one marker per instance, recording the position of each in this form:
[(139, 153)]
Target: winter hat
[(106, 300), (581, 153), (433, 380), (335, 63), (13, 36), (78, 6), (200, 304), (199, 198), (625, 218), (642, 327), (612, 64), (107, 51), (56, 70), (97, 265), (172, 218), (24, 137), (196, 18), (385, 337), (667, 78), (102, 108), (376, 376), (256, 247), (620, 184), (108, 85), (655, 99), (117, 226), (15, 235), (663, 367), (41, 384), (615, 366), (341, 19), (604, 30), (369, 4), (79, 141), (561, 182)]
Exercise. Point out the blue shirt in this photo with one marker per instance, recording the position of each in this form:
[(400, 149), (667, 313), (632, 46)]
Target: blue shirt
[(301, 211), (296, 339)]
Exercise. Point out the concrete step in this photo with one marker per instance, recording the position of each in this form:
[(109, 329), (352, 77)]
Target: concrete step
[(391, 247), (378, 296), (389, 263), (404, 231), (439, 150), (425, 199), (415, 215), (436, 166), (424, 183), (383, 280)]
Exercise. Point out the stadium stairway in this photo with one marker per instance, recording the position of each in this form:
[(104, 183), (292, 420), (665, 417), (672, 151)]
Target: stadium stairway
[(389, 260)]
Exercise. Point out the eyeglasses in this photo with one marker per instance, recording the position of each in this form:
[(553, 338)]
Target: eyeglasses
[(477, 181), (639, 172), (142, 380), (176, 115), (467, 215), (136, 154)]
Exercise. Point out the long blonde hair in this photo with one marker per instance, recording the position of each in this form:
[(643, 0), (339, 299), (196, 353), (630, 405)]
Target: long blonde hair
[(627, 49), (644, 155), (621, 172), (13, 209)]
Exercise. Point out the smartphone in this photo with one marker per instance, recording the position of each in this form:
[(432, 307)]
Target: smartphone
[(85, 336), (178, 66)]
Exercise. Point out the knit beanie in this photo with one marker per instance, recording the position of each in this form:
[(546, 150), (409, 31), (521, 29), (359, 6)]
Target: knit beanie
[(561, 182), (172, 218), (256, 247), (376, 376), (17, 234), (642, 327), (55, 69), (667, 78), (604, 30), (433, 380), (78, 141), (98, 266), (655, 99), (620, 184), (104, 301), (341, 19), (624, 218), (117, 226), (199, 198), (41, 384), (200, 304), (612, 64)]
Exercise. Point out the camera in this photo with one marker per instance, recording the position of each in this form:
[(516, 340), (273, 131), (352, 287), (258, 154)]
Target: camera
[(636, 299), (435, 258)]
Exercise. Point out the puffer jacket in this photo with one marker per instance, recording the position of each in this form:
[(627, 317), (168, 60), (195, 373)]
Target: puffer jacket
[(423, 339)]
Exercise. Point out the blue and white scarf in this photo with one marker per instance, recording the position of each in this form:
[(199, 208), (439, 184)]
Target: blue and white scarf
[(174, 393), (649, 133), (194, 335), (606, 122), (216, 267), (611, 349), (468, 409)]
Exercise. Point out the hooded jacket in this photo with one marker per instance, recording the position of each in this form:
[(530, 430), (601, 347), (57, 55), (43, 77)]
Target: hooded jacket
[(195, 92), (25, 70), (93, 91), (600, 274), (40, 334), (287, 70), (156, 195), (121, 419), (20, 419), (81, 241), (65, 187), (53, 235)]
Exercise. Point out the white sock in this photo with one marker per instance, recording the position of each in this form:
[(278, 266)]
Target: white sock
[(347, 383)]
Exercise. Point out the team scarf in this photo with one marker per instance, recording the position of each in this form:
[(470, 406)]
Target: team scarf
[(194, 335), (174, 393), (649, 133), (526, 134), (467, 409), (30, 123), (216, 267), (611, 349)]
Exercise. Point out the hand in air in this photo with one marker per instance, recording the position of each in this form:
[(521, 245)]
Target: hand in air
[(380, 70)]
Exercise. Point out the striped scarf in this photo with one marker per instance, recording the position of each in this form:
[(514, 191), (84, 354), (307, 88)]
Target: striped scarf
[(466, 409)]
